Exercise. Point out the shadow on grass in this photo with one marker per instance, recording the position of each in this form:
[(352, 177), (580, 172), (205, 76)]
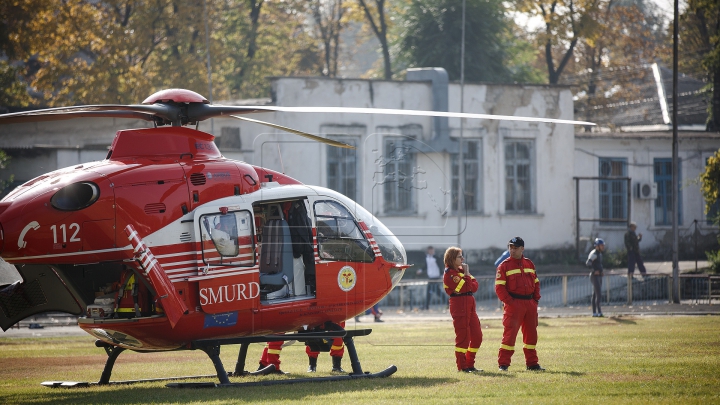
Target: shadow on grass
[(143, 393), (622, 321)]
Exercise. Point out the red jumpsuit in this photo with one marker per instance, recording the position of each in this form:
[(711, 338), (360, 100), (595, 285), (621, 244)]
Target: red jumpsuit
[(271, 354), (468, 334), (518, 287)]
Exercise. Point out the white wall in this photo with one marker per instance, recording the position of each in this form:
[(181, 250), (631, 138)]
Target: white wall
[(640, 150)]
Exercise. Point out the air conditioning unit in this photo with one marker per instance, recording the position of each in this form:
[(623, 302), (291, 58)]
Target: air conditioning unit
[(646, 190)]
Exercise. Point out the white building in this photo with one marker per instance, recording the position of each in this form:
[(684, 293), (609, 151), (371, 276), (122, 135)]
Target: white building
[(519, 175)]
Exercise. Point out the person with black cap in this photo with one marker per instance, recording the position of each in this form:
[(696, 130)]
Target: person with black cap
[(594, 261), (518, 287)]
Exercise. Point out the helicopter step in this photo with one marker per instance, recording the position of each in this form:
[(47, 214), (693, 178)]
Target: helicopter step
[(211, 347)]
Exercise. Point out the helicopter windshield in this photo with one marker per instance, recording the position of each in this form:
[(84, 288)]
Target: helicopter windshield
[(390, 247)]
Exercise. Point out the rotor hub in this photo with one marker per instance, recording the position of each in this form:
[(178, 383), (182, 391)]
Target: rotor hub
[(177, 96)]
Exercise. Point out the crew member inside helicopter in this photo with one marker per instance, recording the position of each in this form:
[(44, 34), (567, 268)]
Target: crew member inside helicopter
[(225, 236)]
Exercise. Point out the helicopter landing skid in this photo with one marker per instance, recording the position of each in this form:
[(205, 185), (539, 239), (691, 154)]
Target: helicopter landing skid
[(211, 347), (385, 373)]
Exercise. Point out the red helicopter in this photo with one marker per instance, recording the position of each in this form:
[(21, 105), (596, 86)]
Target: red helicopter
[(168, 245)]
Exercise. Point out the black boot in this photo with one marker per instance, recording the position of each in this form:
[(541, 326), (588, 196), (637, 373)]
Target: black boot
[(313, 364), (337, 365)]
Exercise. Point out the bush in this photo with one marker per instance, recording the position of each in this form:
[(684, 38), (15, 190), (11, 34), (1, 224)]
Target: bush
[(615, 259), (714, 259)]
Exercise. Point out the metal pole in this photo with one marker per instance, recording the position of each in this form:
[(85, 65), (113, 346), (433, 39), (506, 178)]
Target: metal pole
[(461, 161), (675, 182), (577, 218), (209, 69)]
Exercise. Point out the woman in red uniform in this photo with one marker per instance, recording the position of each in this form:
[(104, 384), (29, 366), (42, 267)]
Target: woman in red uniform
[(461, 286)]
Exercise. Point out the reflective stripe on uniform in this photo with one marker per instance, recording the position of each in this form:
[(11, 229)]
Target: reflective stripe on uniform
[(506, 347), (445, 285), (529, 270), (511, 272), (537, 281), (460, 350), (529, 347), (336, 347), (500, 282), (274, 351), (459, 286), (473, 349), (127, 309)]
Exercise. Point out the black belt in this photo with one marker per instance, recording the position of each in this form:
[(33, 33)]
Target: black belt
[(461, 294), (522, 297)]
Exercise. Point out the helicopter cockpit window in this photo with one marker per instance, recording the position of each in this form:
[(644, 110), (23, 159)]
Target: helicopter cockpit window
[(339, 237), (227, 239), (75, 196)]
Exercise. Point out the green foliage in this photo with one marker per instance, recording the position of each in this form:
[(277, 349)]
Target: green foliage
[(700, 50), (710, 182), (432, 35), (4, 160), (714, 259), (615, 259)]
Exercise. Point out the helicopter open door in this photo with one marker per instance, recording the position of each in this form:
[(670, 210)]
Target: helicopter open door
[(41, 290)]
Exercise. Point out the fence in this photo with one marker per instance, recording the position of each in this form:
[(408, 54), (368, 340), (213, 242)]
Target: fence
[(560, 290)]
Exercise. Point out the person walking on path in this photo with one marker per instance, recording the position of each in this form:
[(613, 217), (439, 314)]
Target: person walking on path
[(433, 274), (518, 287), (632, 245), (594, 262), (461, 286)]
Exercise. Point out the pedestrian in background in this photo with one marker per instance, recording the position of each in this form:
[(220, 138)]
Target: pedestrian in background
[(518, 287), (502, 257), (632, 245), (594, 262), (461, 286), (433, 275)]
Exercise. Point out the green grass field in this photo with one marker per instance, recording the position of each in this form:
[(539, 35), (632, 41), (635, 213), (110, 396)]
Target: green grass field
[(658, 360)]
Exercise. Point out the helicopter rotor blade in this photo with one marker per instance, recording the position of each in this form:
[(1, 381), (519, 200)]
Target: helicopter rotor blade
[(296, 132), (134, 111), (421, 113)]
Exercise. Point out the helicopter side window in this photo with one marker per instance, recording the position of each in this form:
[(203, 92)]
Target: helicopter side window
[(227, 239), (339, 236)]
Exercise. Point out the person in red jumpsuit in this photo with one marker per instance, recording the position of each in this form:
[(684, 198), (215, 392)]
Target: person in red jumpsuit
[(271, 355), (518, 287), (461, 286), (337, 350)]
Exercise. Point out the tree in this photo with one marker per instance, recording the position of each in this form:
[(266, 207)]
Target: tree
[(379, 26), (565, 23), (700, 50), (432, 37), (329, 17), (710, 184), (611, 61), (119, 51)]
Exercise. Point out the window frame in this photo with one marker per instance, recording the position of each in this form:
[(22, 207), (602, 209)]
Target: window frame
[(531, 163), (664, 196), (614, 188), (251, 235), (477, 181), (399, 200)]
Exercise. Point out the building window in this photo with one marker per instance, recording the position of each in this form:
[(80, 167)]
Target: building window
[(613, 192), (663, 203), (399, 175), (519, 187), (471, 186), (342, 167)]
